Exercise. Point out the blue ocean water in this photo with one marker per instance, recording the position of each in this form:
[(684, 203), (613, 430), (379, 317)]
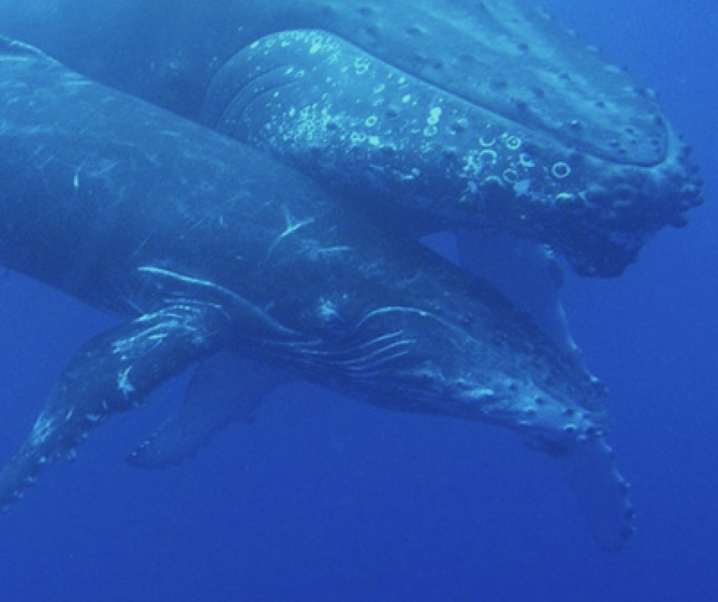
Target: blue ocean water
[(326, 499)]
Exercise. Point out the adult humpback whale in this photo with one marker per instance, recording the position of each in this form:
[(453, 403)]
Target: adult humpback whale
[(209, 247), (478, 114), (435, 159)]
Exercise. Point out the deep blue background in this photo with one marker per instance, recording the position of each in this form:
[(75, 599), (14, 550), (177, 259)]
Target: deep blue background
[(326, 499)]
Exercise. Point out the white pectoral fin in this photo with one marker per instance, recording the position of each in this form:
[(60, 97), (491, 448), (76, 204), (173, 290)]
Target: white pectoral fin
[(602, 492), (225, 388)]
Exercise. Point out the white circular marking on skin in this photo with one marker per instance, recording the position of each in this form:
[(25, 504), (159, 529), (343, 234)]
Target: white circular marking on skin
[(488, 156), (487, 143), (513, 142), (434, 116), (511, 176), (361, 65), (371, 121), (525, 160), (561, 170)]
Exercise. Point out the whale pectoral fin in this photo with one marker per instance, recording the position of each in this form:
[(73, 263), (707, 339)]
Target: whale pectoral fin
[(113, 373), (225, 388), (602, 492), (528, 274)]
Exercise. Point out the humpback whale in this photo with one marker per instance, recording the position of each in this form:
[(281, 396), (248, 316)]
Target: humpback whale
[(210, 248), (459, 113)]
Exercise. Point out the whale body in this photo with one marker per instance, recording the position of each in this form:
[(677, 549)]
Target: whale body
[(210, 249), (481, 115)]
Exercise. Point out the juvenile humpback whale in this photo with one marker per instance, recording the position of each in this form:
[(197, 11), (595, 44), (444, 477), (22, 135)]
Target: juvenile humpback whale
[(481, 114), (208, 247)]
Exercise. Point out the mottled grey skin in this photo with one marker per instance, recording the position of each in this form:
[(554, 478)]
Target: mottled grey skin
[(207, 246), (585, 160)]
